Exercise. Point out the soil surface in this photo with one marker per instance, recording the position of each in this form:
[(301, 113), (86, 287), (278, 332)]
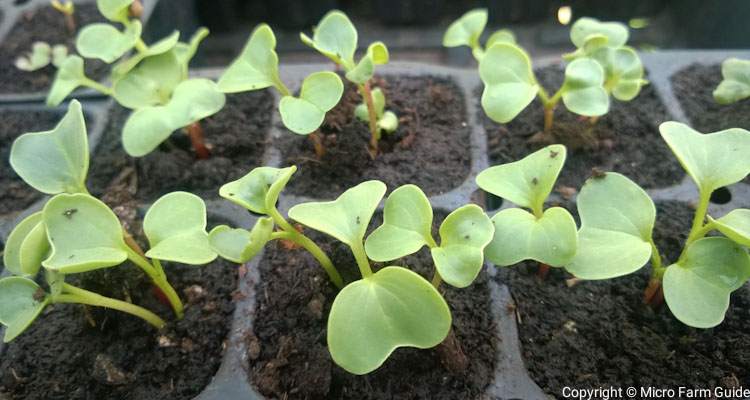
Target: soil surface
[(288, 353), (600, 334), (236, 135), (47, 25), (629, 140), (16, 195), (63, 356), (430, 148)]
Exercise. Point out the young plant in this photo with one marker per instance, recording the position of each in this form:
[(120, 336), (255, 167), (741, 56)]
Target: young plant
[(257, 68), (42, 55), (735, 85), (386, 309), (617, 220), (336, 38), (153, 81), (67, 9), (77, 233), (548, 236), (601, 66)]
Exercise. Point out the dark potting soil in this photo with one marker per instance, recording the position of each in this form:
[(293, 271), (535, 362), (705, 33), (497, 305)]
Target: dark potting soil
[(600, 334), (289, 357), (430, 148), (62, 356), (237, 136), (47, 25), (629, 140)]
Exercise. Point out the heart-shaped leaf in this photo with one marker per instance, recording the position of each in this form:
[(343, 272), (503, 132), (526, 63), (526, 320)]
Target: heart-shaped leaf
[(373, 316), (26, 246), (697, 288), (84, 234), (162, 46), (175, 226), (463, 236), (466, 30), (320, 92), (501, 36), (39, 57), (526, 182), (623, 71), (736, 83), (735, 225), (509, 82), (114, 10), (54, 161), (335, 37), (583, 89), (714, 159), (192, 100), (68, 77), (345, 218), (150, 83), (105, 42), (239, 245), (617, 218), (378, 52), (19, 306), (407, 225), (259, 190), (519, 235), (257, 67), (615, 32)]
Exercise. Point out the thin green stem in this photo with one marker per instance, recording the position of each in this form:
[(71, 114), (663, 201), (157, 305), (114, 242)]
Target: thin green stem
[(96, 86), (362, 261), (156, 273), (302, 240), (430, 241), (698, 230), (281, 87), (141, 46), (72, 294), (366, 93), (436, 280)]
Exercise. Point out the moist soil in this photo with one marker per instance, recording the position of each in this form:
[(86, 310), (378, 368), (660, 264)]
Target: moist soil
[(430, 148), (600, 334), (16, 195), (47, 25), (628, 138), (64, 356), (236, 136), (288, 356)]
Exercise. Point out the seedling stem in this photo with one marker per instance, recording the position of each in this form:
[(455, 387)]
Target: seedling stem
[(373, 119), (76, 295), (195, 133), (156, 273)]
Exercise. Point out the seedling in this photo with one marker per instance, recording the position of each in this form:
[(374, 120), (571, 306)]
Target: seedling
[(77, 233), (67, 9), (153, 81), (386, 309), (617, 220), (336, 38), (257, 68), (42, 55), (601, 66), (735, 85)]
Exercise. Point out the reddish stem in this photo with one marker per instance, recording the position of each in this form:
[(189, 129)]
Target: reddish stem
[(317, 142), (543, 271), (654, 293), (367, 94), (195, 132)]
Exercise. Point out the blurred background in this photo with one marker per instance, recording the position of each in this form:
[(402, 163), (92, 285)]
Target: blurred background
[(413, 29)]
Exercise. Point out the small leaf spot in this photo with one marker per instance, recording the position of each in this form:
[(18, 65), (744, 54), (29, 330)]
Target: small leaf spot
[(69, 212), (553, 154), (467, 237), (357, 220), (596, 173), (535, 181)]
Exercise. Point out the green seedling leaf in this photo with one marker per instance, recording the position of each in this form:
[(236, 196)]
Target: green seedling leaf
[(378, 101), (463, 236), (186, 51), (388, 122), (335, 37), (257, 67), (26, 246), (735, 225), (501, 36), (84, 234), (162, 46), (378, 52), (527, 182), (150, 83), (59, 54), (19, 305), (55, 281), (697, 288), (259, 190), (714, 159), (583, 89), (320, 92), (519, 235), (54, 161), (617, 218), (105, 42), (362, 72), (509, 83), (623, 71), (616, 34), (373, 316), (39, 57), (192, 100), (345, 218), (68, 77), (114, 10), (736, 83), (239, 245), (175, 226), (466, 30), (407, 225)]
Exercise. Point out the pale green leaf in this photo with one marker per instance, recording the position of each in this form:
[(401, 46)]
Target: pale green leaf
[(735, 85), (59, 54), (362, 72), (26, 246), (378, 52), (114, 10), (735, 225), (335, 37), (388, 122), (259, 190), (150, 83), (39, 57), (615, 32), (466, 30), (583, 89), (18, 306), (509, 83), (186, 51), (68, 77), (501, 36), (105, 42), (239, 245), (257, 67), (320, 92), (623, 71), (162, 46)]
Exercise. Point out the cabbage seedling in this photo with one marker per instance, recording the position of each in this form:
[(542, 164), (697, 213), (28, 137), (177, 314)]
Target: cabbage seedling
[(67, 9), (336, 38), (467, 31), (735, 85), (389, 308), (42, 55), (617, 220), (257, 67), (153, 81)]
